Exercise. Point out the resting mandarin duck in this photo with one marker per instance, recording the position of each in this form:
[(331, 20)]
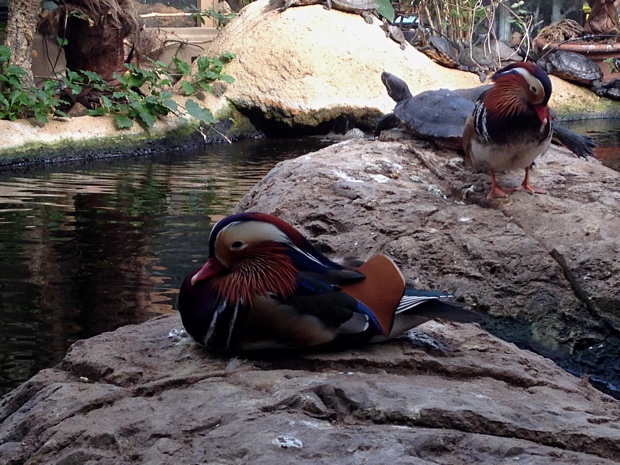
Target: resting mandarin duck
[(510, 125), (264, 286)]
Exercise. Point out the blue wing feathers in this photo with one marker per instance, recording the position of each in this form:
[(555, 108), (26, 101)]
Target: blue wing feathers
[(414, 292)]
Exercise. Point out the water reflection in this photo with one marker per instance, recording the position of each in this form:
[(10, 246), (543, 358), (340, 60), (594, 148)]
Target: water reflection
[(88, 248), (607, 134)]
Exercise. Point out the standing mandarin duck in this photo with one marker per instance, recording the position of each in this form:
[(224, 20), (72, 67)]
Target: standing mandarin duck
[(510, 125), (264, 286)]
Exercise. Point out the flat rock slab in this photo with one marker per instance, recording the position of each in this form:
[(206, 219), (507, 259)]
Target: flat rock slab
[(445, 394)]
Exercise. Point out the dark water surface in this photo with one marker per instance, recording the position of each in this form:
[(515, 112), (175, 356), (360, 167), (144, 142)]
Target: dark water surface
[(87, 248), (607, 133)]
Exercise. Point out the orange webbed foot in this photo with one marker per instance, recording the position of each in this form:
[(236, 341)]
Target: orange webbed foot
[(530, 189), (497, 192), (527, 187)]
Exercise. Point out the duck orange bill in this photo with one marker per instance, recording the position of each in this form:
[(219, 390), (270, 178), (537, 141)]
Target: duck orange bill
[(381, 291)]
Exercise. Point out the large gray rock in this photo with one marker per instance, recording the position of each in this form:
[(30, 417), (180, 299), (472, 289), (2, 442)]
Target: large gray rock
[(138, 395), (546, 267)]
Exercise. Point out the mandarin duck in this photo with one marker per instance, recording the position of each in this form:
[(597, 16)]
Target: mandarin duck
[(510, 125), (265, 286)]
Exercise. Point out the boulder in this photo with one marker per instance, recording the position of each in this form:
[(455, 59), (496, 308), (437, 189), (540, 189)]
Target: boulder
[(544, 268), (446, 394), (310, 68)]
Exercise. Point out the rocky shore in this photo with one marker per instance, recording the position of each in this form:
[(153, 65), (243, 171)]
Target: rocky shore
[(449, 394)]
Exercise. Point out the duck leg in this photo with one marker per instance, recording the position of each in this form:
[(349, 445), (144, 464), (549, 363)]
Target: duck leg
[(527, 187), (496, 190)]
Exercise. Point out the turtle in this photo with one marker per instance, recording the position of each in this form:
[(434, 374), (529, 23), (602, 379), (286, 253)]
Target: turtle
[(395, 33), (610, 90), (437, 115), (365, 8), (440, 115), (441, 50), (571, 66)]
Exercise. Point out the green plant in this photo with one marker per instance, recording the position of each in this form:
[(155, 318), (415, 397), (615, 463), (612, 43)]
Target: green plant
[(207, 71), (385, 10), (612, 64), (16, 101), (139, 94), (221, 18)]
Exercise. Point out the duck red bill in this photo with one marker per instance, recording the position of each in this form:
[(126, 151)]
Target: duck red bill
[(208, 270), (543, 113)]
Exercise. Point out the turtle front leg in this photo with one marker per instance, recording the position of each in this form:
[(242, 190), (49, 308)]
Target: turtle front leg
[(366, 15), (328, 4), (287, 4)]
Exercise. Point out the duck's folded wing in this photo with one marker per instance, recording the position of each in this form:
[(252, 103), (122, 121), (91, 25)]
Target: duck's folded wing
[(381, 291)]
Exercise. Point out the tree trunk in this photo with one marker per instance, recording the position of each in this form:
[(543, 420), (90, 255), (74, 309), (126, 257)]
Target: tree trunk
[(20, 32), (603, 17), (93, 33), (87, 50)]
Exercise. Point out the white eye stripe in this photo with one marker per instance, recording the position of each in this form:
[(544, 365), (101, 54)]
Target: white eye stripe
[(535, 85)]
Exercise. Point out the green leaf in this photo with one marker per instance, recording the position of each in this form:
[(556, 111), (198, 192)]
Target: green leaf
[(145, 115), (93, 77), (187, 88), (40, 116), (12, 69), (106, 102), (385, 9), (227, 78), (182, 67), (5, 54), (171, 104), (205, 86), (75, 88), (74, 76), (123, 122), (227, 57), (198, 112), (97, 111)]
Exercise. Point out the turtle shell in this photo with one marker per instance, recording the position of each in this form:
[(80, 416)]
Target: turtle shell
[(355, 6), (442, 51), (438, 115), (573, 67)]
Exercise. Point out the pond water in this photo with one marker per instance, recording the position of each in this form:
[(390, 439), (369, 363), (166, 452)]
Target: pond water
[(87, 248), (606, 132)]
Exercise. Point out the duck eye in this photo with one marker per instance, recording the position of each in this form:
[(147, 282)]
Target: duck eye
[(236, 245)]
